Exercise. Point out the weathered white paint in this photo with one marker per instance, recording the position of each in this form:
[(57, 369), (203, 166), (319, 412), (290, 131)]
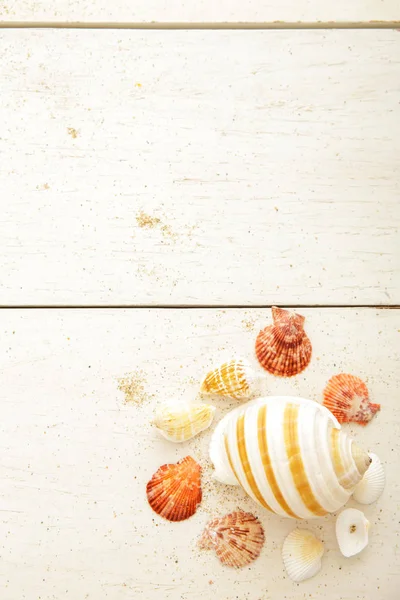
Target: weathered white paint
[(75, 459), (270, 160), (147, 11)]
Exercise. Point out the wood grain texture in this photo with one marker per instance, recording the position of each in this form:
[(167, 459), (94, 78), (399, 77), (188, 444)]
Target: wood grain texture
[(147, 11), (75, 459), (214, 168)]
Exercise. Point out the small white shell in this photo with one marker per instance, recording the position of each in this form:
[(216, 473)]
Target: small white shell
[(180, 421), (302, 553), (352, 531), (371, 486)]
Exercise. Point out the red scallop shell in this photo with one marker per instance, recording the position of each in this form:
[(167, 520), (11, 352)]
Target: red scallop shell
[(174, 491), (346, 396), (283, 348), (237, 538)]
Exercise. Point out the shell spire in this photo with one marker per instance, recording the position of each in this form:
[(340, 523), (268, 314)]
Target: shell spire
[(289, 454), (283, 348)]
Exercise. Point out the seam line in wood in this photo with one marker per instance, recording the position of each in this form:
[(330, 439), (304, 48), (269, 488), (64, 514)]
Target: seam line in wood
[(208, 26), (192, 306)]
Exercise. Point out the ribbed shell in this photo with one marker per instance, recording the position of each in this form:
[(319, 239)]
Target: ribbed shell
[(302, 553), (289, 455), (346, 396), (237, 538), (233, 379), (174, 491), (371, 486), (180, 421), (283, 348)]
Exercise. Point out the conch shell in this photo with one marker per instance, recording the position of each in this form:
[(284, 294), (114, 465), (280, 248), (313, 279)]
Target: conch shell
[(289, 454)]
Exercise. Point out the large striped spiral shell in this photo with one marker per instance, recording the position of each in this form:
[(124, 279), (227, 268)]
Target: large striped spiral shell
[(289, 454)]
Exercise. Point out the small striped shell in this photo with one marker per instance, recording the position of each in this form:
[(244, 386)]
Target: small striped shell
[(233, 379), (180, 421), (283, 348), (237, 538), (289, 455), (174, 491), (346, 396), (302, 553)]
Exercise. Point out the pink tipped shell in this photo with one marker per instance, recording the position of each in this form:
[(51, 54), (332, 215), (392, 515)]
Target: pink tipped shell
[(346, 396)]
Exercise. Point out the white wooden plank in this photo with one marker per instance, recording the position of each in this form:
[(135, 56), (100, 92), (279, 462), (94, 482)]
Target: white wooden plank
[(75, 459), (185, 11), (199, 167)]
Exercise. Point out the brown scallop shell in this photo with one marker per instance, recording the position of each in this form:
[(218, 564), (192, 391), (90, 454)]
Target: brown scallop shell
[(174, 491), (237, 538), (346, 396), (283, 348)]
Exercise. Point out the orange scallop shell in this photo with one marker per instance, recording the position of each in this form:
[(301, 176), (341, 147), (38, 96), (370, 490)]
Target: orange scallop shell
[(283, 348), (346, 396), (174, 491), (237, 538)]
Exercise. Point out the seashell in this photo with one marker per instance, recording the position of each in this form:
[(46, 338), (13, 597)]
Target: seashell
[(234, 379), (352, 531), (283, 348), (346, 396), (180, 421), (371, 486), (289, 454), (302, 553), (237, 538), (174, 491)]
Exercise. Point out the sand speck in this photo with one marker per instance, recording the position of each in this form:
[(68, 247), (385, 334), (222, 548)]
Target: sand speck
[(72, 132), (248, 325), (133, 386), (44, 186), (146, 221)]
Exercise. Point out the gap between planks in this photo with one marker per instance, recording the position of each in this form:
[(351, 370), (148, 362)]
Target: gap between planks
[(205, 26), (194, 306)]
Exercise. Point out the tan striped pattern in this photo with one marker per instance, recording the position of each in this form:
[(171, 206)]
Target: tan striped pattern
[(291, 436), (266, 460), (337, 460), (228, 453), (241, 442)]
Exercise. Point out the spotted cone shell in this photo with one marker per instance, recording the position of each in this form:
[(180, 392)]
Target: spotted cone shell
[(237, 538), (283, 348), (174, 491), (289, 454), (346, 396)]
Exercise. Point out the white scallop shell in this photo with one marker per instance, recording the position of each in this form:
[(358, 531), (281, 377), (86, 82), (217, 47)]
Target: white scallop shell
[(352, 531), (302, 553), (289, 454), (180, 421), (371, 486)]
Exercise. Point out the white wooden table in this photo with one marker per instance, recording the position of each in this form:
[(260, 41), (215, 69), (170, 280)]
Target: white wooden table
[(160, 188)]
